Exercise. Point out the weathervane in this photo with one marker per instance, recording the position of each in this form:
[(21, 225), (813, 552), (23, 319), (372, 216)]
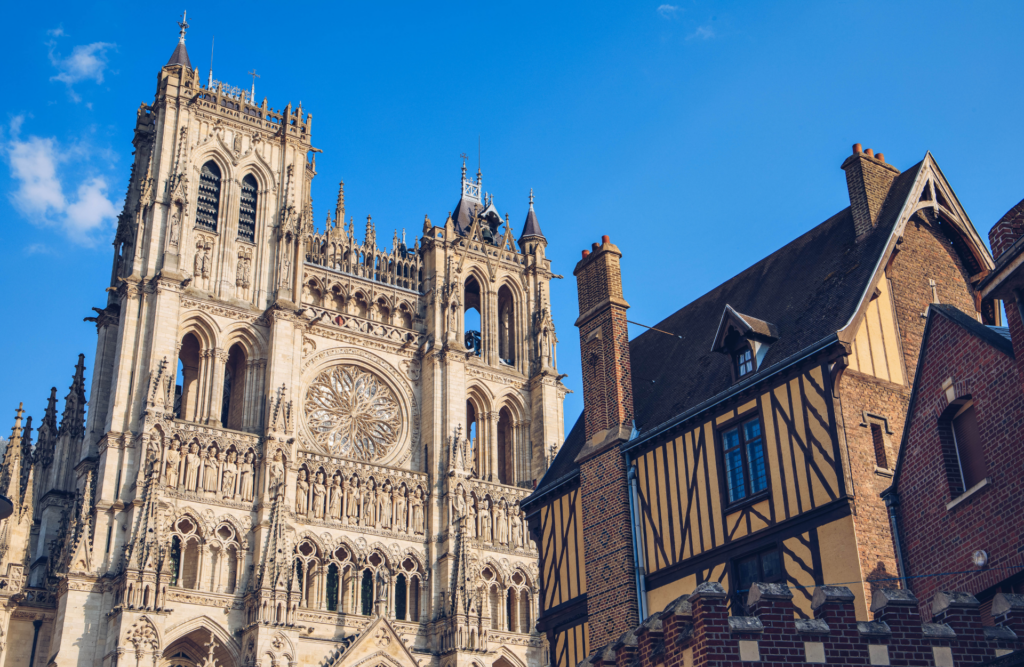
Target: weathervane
[(183, 24), (252, 94)]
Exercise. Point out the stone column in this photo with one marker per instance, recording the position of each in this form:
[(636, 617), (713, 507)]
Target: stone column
[(492, 445), (219, 358)]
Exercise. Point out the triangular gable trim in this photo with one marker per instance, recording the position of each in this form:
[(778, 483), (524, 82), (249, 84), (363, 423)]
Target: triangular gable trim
[(383, 638), (929, 173)]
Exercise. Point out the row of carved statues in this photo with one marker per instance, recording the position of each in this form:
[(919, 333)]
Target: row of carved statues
[(356, 502), (500, 522), (208, 471)]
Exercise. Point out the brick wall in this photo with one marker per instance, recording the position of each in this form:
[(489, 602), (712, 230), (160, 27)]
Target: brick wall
[(1006, 232), (868, 179), (612, 603), (924, 255), (940, 540), (696, 631)]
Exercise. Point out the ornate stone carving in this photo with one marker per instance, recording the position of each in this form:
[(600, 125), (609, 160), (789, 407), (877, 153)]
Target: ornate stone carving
[(353, 413)]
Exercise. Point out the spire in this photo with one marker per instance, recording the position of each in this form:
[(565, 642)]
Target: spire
[(72, 422), (460, 592), (275, 563), (209, 81), (370, 240), (532, 227), (142, 552), (10, 474), (26, 459), (339, 210), (180, 55), (48, 431)]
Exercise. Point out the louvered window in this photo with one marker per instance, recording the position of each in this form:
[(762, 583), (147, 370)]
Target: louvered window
[(208, 204), (247, 210)]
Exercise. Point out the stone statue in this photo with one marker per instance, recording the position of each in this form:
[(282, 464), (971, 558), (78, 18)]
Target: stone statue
[(228, 478), (417, 512), (301, 494), (245, 482), (485, 521), (459, 503), (335, 505), (352, 501), (173, 459), (384, 506), (319, 496), (192, 468), (210, 464), (517, 529), (367, 517), (500, 524), (276, 471), (471, 521), (401, 504), (175, 225)]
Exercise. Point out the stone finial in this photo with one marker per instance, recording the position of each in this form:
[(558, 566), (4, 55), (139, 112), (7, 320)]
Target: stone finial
[(946, 599), (763, 591), (831, 595), (885, 597), (708, 590), (679, 607), (1006, 602)]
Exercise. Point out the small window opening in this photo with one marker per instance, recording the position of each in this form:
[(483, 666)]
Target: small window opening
[(878, 438), (743, 450)]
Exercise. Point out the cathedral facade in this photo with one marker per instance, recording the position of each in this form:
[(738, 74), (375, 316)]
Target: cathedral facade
[(299, 447)]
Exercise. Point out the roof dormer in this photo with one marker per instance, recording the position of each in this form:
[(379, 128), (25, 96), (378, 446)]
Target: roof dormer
[(745, 339)]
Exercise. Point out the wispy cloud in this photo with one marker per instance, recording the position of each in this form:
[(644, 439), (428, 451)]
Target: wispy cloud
[(669, 11), (703, 32), (35, 164), (87, 62), (56, 32)]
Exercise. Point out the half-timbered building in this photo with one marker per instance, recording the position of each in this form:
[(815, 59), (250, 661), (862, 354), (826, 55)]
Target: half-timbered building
[(747, 436)]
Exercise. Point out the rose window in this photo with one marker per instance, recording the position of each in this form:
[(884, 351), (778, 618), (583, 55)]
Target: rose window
[(352, 413)]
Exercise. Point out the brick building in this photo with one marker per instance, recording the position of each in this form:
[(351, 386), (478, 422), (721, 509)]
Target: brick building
[(955, 494), (749, 435)]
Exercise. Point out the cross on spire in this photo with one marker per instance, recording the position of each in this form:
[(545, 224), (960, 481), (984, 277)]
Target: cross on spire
[(183, 25), (252, 93)]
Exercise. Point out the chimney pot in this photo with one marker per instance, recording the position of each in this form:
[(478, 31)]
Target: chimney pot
[(595, 247), (605, 239), (869, 152), (586, 253), (881, 157), (857, 149)]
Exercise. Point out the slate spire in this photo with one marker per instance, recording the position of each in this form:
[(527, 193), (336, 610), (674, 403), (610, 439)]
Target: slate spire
[(531, 229), (180, 55)]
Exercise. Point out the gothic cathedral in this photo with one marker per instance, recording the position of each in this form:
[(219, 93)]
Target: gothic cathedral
[(299, 448)]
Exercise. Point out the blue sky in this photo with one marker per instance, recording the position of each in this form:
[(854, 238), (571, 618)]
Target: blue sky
[(700, 136)]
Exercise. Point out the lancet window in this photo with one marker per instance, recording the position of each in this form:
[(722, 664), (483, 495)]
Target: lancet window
[(247, 209), (208, 201), (205, 563), (507, 338), (472, 319), (508, 603)]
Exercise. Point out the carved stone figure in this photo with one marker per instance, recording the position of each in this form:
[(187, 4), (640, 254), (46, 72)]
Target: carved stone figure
[(517, 529), (334, 510), (352, 495), (367, 516), (175, 227), (228, 477), (210, 464), (192, 462), (500, 524), (471, 521), (401, 504), (384, 506), (173, 461), (276, 471), (485, 521), (301, 494), (245, 481), (319, 496), (417, 512)]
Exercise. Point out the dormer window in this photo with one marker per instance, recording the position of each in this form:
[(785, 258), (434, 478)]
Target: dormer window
[(745, 339), (744, 362)]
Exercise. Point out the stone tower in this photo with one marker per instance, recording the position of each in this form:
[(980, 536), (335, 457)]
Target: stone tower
[(299, 447)]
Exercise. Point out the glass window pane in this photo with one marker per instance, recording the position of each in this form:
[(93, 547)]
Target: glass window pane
[(746, 570), (771, 567), (730, 439), (734, 475), (755, 456)]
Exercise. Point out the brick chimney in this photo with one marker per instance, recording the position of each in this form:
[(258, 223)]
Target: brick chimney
[(1006, 232), (612, 603), (868, 179)]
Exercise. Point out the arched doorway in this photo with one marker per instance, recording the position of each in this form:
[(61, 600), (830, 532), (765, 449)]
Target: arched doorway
[(199, 646)]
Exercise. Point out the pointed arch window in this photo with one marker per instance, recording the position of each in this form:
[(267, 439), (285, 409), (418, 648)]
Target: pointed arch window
[(208, 202), (247, 209)]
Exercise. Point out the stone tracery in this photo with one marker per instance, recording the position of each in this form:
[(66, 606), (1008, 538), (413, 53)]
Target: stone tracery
[(353, 413)]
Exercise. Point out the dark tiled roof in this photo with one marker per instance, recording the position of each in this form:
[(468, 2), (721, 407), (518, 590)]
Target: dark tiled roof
[(464, 213), (809, 289), (1002, 331), (179, 57), (532, 227)]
